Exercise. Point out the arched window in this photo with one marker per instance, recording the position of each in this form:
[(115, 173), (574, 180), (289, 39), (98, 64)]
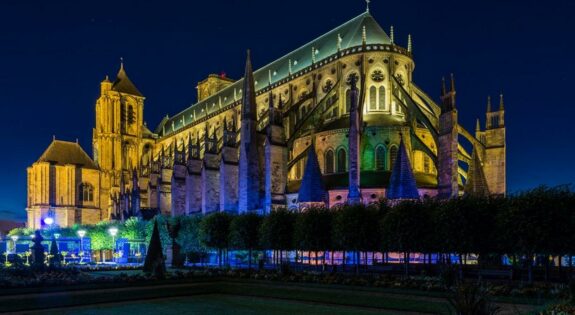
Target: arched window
[(341, 160), (380, 158), (86, 192), (347, 100), (367, 160), (372, 98), (131, 116), (329, 162), (381, 102), (392, 156)]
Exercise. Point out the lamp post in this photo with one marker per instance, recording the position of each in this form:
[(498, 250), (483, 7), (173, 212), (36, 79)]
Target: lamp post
[(81, 234), (49, 221), (113, 231)]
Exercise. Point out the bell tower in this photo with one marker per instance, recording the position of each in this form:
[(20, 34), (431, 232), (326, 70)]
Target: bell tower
[(117, 135), (495, 148)]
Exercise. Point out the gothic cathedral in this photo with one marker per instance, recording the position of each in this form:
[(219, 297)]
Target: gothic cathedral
[(338, 120)]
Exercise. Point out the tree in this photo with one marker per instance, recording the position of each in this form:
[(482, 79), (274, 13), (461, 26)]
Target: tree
[(277, 230), (404, 229), (133, 229), (356, 228), (530, 224), (162, 229), (100, 237), (155, 257), (38, 257), (313, 230), (55, 257), (244, 233), (189, 236), (214, 231), (173, 226)]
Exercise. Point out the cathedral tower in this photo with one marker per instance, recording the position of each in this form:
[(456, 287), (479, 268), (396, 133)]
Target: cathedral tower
[(495, 149), (117, 135)]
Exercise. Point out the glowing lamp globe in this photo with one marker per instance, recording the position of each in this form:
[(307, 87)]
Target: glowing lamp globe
[(113, 231), (81, 233), (14, 237), (49, 220)]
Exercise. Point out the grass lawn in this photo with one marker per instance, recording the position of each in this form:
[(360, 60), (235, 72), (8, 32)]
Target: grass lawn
[(217, 304)]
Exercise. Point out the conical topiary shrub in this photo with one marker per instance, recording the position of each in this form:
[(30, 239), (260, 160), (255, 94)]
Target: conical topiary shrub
[(155, 258), (38, 256), (54, 254)]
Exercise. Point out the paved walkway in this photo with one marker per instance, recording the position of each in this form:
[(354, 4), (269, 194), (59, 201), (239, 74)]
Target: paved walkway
[(70, 300)]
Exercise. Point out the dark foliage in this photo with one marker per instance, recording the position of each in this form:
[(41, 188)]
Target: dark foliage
[(155, 263)]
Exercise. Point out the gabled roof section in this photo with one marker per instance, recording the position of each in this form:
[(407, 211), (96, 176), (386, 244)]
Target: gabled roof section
[(123, 84), (402, 182), (312, 187), (351, 35), (65, 153)]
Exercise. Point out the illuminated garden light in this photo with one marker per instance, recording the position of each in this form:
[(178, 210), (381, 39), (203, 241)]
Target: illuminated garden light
[(81, 234), (49, 221), (113, 231)]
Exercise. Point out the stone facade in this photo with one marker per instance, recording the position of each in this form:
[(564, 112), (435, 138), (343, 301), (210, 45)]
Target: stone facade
[(194, 161)]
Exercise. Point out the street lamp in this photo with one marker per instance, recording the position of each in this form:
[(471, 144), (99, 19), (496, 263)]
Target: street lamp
[(113, 231), (81, 234), (49, 221)]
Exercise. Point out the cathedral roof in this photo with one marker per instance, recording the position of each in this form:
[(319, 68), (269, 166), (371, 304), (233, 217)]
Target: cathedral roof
[(402, 182), (123, 84), (347, 35), (312, 187), (64, 152)]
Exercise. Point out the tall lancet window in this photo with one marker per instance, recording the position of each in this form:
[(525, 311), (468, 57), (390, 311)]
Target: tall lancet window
[(372, 98), (392, 156), (381, 101), (347, 100), (329, 162), (341, 160), (380, 158)]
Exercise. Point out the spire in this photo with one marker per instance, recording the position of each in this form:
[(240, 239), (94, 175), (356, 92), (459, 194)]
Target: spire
[(367, 6), (402, 182), (271, 101), (448, 98), (501, 105), (392, 35), (280, 103), (312, 188), (489, 103), (190, 146), (409, 44), (477, 125), (123, 84), (249, 107)]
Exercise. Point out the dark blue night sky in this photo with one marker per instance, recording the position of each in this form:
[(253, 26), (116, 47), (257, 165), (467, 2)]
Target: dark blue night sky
[(53, 55)]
